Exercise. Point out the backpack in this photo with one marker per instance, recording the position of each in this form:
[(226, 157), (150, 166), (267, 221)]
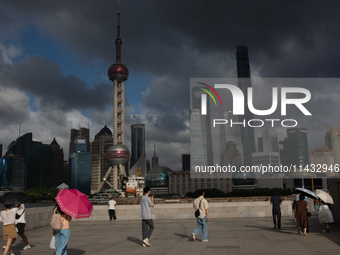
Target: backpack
[(56, 224)]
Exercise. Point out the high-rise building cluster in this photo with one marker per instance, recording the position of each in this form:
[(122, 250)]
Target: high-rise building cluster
[(28, 164), (91, 166), (237, 145)]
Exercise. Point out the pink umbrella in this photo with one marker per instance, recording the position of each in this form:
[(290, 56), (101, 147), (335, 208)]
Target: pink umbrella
[(74, 203)]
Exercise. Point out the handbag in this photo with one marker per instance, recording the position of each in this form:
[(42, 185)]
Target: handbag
[(56, 223), (17, 216), (197, 212)]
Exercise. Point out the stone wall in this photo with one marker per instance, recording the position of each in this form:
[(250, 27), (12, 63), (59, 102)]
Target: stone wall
[(136, 200), (185, 211)]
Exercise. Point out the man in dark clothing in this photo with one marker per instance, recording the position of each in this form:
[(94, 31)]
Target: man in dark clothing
[(276, 201)]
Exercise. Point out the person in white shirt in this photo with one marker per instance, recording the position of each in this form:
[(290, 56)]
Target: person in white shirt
[(112, 212), (20, 223), (9, 233)]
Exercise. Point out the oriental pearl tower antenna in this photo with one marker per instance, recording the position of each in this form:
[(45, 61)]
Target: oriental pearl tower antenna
[(118, 154)]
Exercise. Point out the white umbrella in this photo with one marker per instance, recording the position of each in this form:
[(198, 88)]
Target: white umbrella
[(323, 195)]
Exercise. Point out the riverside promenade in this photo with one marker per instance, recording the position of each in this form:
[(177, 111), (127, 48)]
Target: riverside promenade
[(227, 236)]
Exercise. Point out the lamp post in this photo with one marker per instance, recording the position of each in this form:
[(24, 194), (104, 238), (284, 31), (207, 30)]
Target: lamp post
[(302, 167)]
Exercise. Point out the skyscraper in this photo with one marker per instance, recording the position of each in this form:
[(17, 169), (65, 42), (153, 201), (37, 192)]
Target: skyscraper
[(268, 154), (39, 161), (148, 165), (298, 146), (138, 157), (284, 152), (328, 140), (243, 75), (268, 142), (137, 143), (85, 133), (58, 166), (323, 156), (229, 133), (154, 159), (80, 166), (99, 163), (335, 142), (185, 162), (12, 173), (201, 153), (6, 170)]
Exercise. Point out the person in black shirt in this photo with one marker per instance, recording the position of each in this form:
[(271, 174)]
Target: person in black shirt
[(276, 201)]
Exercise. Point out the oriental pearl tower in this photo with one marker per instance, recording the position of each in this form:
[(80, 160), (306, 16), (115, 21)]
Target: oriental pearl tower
[(118, 73), (118, 154)]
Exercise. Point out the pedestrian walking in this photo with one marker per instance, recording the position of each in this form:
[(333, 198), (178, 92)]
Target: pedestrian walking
[(112, 212), (146, 203), (20, 224), (306, 200), (301, 207), (325, 215), (276, 201), (63, 235), (9, 233), (201, 204)]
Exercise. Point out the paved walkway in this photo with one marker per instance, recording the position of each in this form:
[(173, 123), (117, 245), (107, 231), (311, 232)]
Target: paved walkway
[(227, 236)]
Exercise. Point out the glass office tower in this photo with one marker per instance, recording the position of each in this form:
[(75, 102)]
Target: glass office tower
[(137, 143), (243, 75)]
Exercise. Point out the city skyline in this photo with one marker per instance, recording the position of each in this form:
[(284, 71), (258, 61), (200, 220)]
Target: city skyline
[(54, 59)]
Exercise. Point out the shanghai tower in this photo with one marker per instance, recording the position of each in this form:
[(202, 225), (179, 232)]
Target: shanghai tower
[(244, 81)]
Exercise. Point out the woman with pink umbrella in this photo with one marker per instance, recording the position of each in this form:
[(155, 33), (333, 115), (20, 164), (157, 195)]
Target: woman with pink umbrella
[(63, 235), (71, 203)]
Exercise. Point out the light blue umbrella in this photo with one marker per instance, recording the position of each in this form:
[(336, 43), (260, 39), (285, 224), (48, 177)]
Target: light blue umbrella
[(307, 193)]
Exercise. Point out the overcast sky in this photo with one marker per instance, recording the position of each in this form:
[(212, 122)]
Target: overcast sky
[(54, 57)]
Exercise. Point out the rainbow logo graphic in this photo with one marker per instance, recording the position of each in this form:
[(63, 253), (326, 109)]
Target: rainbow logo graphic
[(208, 92)]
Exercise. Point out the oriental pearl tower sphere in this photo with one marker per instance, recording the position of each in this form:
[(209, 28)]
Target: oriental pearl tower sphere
[(118, 154)]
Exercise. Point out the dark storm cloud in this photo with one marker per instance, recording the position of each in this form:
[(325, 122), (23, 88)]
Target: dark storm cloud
[(167, 38), (42, 78), (173, 41), (276, 32), (285, 38), (153, 30)]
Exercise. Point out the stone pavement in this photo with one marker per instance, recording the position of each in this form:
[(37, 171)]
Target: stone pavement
[(227, 236)]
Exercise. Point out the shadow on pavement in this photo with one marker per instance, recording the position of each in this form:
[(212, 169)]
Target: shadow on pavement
[(183, 236), (75, 251), (282, 230), (135, 240)]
